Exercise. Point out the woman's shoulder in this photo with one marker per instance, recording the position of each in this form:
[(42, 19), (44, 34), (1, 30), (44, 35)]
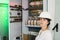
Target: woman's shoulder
[(49, 32)]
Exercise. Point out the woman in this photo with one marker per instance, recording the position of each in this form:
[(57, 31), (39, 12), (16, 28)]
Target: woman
[(45, 33)]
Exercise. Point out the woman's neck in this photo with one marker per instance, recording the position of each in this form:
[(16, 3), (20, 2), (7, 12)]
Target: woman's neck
[(44, 28)]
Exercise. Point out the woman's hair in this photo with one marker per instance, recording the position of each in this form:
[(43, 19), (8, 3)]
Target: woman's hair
[(48, 21)]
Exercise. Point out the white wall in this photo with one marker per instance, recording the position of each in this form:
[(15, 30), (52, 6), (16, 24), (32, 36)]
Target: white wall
[(54, 8), (51, 10), (57, 18)]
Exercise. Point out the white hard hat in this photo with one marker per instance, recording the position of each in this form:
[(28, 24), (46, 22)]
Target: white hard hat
[(45, 15)]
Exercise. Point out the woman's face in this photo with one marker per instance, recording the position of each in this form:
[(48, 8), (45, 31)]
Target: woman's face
[(43, 22)]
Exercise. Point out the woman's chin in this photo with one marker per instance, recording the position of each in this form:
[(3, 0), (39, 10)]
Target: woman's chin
[(41, 25)]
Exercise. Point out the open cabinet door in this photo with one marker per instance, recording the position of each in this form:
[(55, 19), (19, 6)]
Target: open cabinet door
[(4, 20)]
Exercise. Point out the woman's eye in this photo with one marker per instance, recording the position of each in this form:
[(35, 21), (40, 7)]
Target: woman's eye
[(40, 18), (44, 19)]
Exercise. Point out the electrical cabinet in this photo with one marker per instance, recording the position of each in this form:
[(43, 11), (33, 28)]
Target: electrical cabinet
[(35, 7), (15, 13)]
